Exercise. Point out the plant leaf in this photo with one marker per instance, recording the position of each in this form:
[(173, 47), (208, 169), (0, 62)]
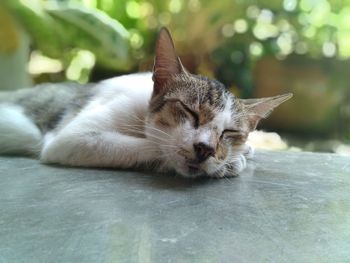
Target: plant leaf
[(39, 25), (93, 30)]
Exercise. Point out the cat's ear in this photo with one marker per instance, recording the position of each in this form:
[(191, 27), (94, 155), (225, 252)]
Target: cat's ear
[(166, 63), (257, 109)]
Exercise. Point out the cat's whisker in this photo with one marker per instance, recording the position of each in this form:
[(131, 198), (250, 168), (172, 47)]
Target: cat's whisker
[(158, 130), (227, 179), (167, 147), (161, 155), (128, 114), (144, 123), (161, 142), (147, 126), (149, 135)]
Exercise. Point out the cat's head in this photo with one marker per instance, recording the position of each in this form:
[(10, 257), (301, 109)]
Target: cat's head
[(200, 127)]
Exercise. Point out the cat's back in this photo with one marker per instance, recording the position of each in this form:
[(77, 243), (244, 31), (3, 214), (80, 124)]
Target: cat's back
[(137, 86)]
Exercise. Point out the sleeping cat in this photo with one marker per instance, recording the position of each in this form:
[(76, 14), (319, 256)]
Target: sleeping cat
[(170, 120)]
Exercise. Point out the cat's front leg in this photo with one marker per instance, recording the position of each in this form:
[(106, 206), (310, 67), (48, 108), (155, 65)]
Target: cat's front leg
[(248, 151), (98, 149)]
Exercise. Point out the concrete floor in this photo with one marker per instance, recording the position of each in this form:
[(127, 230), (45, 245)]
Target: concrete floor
[(286, 207)]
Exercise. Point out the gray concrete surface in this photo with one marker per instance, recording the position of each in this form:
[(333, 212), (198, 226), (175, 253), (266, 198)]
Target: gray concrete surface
[(286, 207)]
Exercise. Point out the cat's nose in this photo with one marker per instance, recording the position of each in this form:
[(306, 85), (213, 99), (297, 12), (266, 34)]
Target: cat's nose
[(203, 151)]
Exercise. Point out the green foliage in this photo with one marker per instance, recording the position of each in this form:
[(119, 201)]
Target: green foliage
[(92, 30), (60, 31), (229, 34), (308, 27), (313, 27), (40, 26)]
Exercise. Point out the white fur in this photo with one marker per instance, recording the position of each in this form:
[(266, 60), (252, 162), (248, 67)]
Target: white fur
[(18, 134), (93, 138)]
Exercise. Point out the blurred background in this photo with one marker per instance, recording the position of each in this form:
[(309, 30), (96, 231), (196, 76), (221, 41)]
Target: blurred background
[(257, 48)]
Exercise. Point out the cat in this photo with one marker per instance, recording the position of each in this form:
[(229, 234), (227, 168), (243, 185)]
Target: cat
[(168, 120)]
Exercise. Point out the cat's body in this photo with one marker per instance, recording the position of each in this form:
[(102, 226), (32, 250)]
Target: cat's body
[(178, 121)]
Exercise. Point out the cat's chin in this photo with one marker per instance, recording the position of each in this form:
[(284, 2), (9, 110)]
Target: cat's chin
[(187, 168), (187, 173), (190, 170)]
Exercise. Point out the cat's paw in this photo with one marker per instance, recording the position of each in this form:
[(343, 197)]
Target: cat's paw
[(232, 168), (236, 166), (248, 151)]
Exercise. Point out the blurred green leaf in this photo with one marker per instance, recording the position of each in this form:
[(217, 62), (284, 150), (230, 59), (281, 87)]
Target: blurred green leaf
[(40, 26), (57, 30), (94, 31)]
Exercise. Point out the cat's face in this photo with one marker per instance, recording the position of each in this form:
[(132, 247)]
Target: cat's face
[(200, 127)]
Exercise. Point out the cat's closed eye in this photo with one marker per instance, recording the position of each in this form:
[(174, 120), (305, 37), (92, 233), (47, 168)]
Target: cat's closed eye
[(185, 112), (231, 134)]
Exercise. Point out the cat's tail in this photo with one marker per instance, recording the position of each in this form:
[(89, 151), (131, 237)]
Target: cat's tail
[(18, 133)]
